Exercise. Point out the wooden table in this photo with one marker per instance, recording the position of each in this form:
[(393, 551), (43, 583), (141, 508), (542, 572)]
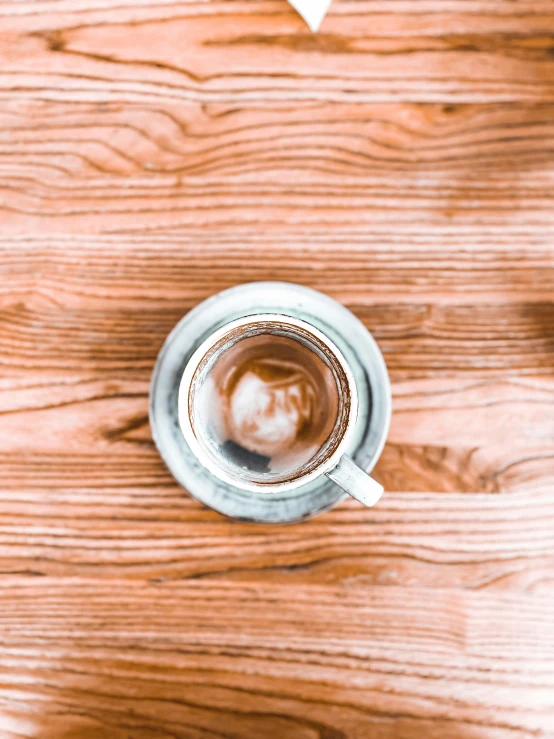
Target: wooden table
[(402, 161)]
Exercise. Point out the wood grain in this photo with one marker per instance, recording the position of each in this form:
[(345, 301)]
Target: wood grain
[(222, 660), (402, 161)]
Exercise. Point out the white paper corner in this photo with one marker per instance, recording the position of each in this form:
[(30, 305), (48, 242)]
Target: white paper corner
[(313, 11)]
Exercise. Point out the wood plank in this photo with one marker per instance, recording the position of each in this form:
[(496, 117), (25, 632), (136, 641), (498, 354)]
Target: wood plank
[(412, 540), (189, 658), (417, 341), (111, 309), (401, 468), (174, 273), (475, 50), (98, 434), (424, 410), (328, 172)]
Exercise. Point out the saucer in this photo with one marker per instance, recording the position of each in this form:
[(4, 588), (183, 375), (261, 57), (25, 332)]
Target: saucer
[(334, 320)]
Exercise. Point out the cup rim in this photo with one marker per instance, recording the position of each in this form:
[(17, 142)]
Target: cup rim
[(206, 459)]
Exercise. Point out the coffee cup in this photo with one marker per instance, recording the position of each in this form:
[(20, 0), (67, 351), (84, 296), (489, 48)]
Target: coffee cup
[(268, 403)]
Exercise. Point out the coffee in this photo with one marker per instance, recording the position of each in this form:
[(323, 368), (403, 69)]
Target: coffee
[(269, 403)]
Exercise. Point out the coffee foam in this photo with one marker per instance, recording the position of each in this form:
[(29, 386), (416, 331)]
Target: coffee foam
[(271, 396)]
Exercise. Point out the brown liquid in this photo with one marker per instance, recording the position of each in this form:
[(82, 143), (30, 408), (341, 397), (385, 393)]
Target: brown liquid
[(270, 403)]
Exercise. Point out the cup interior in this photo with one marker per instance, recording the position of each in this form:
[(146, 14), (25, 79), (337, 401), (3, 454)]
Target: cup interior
[(267, 401)]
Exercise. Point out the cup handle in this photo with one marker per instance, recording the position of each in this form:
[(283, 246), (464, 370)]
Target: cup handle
[(355, 481)]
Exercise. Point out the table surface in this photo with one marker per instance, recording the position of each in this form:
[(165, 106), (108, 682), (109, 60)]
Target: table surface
[(402, 161)]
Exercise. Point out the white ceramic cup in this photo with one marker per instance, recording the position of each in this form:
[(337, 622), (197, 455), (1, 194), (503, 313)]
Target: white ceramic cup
[(331, 459)]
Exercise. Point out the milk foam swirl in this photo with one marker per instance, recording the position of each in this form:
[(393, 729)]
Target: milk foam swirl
[(272, 396)]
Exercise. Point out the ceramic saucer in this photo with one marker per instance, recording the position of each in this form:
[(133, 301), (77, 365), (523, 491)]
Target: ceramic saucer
[(334, 320)]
